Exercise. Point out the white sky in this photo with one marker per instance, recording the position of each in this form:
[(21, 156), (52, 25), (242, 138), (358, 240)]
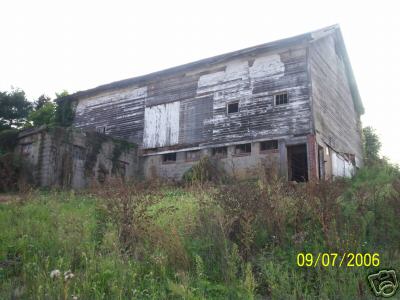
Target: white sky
[(48, 46)]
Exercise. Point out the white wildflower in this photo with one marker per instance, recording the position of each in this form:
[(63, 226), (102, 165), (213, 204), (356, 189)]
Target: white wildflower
[(68, 275), (55, 274), (74, 297)]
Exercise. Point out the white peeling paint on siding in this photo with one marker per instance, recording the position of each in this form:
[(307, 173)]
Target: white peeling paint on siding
[(233, 83), (211, 79), (237, 70), (341, 167), (267, 66), (262, 67), (161, 126), (117, 96)]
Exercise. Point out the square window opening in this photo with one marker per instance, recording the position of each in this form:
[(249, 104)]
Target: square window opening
[(193, 155), (269, 145), (220, 152), (101, 129), (281, 98), (243, 149), (233, 107), (169, 158)]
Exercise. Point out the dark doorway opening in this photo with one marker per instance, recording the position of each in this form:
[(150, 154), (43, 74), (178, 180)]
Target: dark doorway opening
[(297, 163)]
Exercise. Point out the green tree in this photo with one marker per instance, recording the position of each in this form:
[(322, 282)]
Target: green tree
[(47, 112), (372, 145), (44, 115), (14, 109), (41, 101), (64, 114)]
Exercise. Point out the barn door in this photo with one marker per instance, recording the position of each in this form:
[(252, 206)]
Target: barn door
[(297, 163)]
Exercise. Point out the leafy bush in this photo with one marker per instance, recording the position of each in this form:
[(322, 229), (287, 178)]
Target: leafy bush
[(64, 112), (14, 170), (44, 115), (14, 109), (9, 172), (206, 170), (371, 145), (8, 140)]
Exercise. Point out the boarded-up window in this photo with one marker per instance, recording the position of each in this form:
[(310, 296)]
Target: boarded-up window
[(161, 125), (243, 149)]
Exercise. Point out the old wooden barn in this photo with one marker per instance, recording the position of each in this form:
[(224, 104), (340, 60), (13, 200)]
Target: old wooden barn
[(291, 104)]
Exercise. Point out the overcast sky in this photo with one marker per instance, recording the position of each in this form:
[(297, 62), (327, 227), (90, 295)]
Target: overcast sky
[(48, 46)]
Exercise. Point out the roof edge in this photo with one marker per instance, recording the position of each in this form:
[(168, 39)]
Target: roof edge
[(277, 44), (358, 104)]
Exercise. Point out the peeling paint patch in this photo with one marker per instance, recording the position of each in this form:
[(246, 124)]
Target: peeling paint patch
[(211, 79), (341, 167), (161, 127), (117, 96), (237, 70), (267, 66)]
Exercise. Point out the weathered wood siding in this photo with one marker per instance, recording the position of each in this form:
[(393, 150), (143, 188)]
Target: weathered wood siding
[(161, 125), (121, 112), (336, 120), (193, 114), (189, 110), (254, 83)]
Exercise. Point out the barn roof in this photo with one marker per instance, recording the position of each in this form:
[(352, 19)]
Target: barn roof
[(211, 61)]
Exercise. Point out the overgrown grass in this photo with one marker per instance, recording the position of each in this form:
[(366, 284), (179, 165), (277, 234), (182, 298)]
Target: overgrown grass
[(232, 241)]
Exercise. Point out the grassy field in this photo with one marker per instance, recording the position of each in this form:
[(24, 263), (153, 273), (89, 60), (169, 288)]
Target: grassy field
[(232, 241)]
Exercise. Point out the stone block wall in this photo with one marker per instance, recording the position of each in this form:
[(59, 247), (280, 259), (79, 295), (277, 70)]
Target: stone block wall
[(245, 165), (66, 157)]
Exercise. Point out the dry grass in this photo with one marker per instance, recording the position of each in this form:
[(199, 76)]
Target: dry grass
[(236, 240)]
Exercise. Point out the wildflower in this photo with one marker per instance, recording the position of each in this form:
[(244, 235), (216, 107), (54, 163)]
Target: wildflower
[(74, 297), (55, 274), (68, 275)]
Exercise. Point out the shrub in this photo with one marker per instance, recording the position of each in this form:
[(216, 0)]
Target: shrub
[(147, 240), (15, 173), (43, 115), (126, 206), (8, 140), (206, 170)]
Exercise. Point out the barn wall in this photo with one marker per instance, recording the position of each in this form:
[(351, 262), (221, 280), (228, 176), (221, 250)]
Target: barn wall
[(119, 112), (253, 83), (161, 125), (239, 166), (337, 124), (67, 158), (188, 109), (341, 167)]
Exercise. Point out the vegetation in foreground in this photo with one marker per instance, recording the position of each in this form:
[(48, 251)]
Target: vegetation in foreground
[(232, 241)]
